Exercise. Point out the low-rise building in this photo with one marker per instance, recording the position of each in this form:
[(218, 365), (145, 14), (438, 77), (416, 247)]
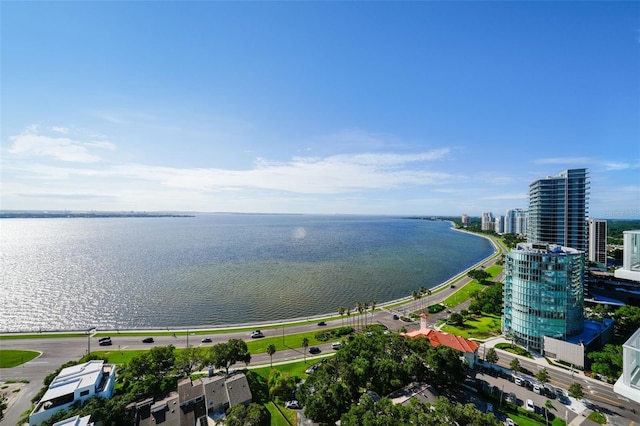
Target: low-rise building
[(75, 421), (628, 385), (468, 348), (76, 383)]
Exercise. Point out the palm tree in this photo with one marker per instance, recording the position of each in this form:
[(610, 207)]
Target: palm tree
[(365, 308), (359, 309), (349, 317), (271, 349), (373, 308), (423, 291), (341, 313), (305, 345)]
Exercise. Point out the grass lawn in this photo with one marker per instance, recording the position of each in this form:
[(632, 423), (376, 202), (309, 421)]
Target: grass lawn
[(479, 328), (119, 357), (598, 417), (12, 358)]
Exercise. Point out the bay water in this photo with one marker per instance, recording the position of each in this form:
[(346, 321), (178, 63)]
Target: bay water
[(216, 269)]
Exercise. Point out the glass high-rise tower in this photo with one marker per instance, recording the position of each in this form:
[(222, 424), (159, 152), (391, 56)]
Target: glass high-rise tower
[(558, 210), (544, 278)]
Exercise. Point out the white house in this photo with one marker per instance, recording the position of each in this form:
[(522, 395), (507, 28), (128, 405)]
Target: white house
[(76, 383)]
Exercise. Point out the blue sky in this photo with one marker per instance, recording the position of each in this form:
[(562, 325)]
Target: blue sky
[(431, 108)]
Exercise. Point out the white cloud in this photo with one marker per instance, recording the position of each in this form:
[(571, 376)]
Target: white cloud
[(32, 143), (563, 160), (62, 130)]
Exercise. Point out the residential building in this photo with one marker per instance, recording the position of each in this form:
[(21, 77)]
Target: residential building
[(76, 383), (465, 220), (558, 210), (499, 225), (467, 348), (543, 294), (163, 412), (75, 421), (488, 222), (628, 385), (598, 241), (515, 222), (630, 256)]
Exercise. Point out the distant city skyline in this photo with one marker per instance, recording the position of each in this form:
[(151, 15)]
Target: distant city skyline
[(384, 108)]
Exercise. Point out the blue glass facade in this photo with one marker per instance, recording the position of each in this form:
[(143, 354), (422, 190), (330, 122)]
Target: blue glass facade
[(543, 293)]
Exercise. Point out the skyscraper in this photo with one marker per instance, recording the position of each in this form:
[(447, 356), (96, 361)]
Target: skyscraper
[(515, 222), (558, 210), (598, 241), (543, 294), (544, 278)]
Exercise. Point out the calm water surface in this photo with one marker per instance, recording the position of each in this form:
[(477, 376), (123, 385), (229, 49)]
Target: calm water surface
[(69, 274)]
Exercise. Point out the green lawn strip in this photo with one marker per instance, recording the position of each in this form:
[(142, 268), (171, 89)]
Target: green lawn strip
[(478, 328), (464, 294), (598, 417), (12, 358), (119, 357), (42, 336), (517, 350), (257, 346), (280, 416)]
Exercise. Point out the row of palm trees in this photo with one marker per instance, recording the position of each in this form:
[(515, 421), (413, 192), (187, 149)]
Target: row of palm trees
[(418, 294), (360, 308)]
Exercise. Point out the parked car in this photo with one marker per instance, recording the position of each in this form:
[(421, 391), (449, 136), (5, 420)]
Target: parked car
[(509, 422), (321, 323), (313, 368), (147, 340), (256, 334), (489, 407), (293, 405), (314, 350), (529, 406), (206, 340)]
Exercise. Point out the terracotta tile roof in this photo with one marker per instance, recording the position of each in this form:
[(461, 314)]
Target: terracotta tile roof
[(437, 338)]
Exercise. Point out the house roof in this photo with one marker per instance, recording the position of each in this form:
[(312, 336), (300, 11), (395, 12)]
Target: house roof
[(437, 338), (238, 389)]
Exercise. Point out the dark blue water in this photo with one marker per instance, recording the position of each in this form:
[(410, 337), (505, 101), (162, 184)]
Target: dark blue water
[(62, 274)]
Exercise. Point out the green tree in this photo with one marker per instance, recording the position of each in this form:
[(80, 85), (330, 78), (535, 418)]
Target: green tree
[(479, 275), (515, 365), (341, 311), (224, 355), (280, 384), (608, 361), (542, 375), (271, 349), (456, 318), (575, 390), (188, 359), (492, 356), (627, 320), (305, 345)]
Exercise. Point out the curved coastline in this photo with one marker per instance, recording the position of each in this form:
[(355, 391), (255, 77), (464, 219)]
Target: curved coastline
[(273, 323)]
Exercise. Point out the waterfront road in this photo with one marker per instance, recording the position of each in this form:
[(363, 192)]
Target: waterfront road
[(56, 351)]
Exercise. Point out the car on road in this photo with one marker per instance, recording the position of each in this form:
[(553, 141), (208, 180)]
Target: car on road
[(335, 345), (453, 286), (314, 350), (529, 406), (105, 342), (256, 334), (396, 317), (104, 339), (321, 323), (293, 404), (147, 340), (206, 340)]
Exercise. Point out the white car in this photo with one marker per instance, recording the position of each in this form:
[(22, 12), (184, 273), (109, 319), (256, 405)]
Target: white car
[(509, 422), (529, 406), (256, 334), (293, 404), (335, 345)]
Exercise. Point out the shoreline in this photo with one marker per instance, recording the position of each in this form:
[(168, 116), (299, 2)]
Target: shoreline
[(260, 324)]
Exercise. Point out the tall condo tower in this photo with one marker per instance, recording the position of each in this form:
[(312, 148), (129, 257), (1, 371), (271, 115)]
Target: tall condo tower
[(558, 210), (543, 294), (598, 241)]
